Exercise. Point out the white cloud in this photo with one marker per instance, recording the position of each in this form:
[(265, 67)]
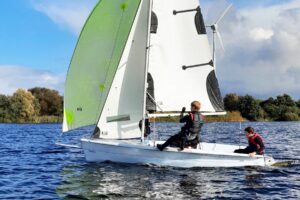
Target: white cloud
[(70, 14), (13, 77), (262, 51), (261, 34), (262, 44)]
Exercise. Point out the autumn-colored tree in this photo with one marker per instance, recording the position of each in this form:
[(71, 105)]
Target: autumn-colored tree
[(23, 106), (50, 101)]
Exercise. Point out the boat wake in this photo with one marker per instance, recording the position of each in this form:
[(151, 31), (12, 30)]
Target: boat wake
[(67, 145), (286, 163)]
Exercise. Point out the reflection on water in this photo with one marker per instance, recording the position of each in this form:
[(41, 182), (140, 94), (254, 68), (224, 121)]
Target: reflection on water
[(111, 180), (254, 178)]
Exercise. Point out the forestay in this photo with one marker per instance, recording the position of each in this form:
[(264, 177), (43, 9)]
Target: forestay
[(95, 61), (179, 40)]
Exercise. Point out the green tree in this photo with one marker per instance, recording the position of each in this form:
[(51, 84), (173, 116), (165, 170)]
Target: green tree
[(283, 108), (298, 103), (270, 108), (4, 108), (50, 101), (24, 108), (285, 100), (290, 116), (287, 109), (249, 108), (231, 102)]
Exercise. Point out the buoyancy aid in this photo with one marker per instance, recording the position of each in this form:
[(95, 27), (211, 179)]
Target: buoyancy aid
[(195, 127), (252, 141)]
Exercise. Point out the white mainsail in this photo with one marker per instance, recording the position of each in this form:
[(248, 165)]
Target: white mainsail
[(176, 43), (124, 106)]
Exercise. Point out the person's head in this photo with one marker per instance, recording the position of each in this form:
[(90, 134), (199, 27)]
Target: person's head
[(249, 131), (195, 106)]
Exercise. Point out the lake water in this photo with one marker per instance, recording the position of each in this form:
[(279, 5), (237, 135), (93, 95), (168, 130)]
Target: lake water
[(33, 167)]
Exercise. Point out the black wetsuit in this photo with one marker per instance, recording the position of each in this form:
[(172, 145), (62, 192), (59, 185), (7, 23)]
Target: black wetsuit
[(253, 147), (147, 130), (181, 138)]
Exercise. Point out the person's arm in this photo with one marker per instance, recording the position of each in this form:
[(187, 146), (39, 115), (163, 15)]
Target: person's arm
[(260, 143), (182, 112), (184, 119), (181, 118), (252, 154)]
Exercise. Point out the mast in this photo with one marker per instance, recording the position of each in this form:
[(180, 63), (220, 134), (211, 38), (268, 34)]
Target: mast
[(147, 67), (214, 51)]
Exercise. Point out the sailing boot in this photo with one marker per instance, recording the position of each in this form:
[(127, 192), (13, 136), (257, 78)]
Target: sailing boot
[(160, 147), (183, 143)]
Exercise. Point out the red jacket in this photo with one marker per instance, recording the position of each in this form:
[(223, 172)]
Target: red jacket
[(257, 143)]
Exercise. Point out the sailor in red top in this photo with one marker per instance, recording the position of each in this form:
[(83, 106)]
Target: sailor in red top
[(256, 144)]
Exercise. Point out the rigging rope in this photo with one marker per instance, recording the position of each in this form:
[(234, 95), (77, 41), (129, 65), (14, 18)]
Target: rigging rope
[(153, 100), (240, 135)]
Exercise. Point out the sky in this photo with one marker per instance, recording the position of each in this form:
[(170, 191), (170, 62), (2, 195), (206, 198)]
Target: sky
[(261, 55)]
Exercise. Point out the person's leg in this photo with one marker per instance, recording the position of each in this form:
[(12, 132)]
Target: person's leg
[(194, 143), (169, 141), (240, 151), (183, 142), (147, 128), (246, 150)]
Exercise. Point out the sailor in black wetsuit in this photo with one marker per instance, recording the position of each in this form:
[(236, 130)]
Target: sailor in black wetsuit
[(189, 134), (256, 144), (150, 104)]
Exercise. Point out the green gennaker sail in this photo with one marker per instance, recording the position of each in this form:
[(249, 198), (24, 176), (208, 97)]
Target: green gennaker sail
[(95, 61)]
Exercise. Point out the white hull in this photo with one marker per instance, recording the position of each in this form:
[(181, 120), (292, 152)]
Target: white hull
[(209, 154)]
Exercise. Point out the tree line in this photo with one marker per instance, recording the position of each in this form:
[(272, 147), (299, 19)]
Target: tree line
[(38, 105), (281, 108)]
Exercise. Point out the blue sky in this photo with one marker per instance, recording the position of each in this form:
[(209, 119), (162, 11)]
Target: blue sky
[(29, 38), (37, 38)]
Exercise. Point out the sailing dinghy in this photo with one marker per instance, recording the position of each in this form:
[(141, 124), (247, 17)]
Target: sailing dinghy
[(136, 57)]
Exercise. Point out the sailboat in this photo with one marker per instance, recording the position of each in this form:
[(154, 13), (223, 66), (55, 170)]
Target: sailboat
[(137, 59)]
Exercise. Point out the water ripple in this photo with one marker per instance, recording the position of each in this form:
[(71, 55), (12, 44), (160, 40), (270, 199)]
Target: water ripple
[(33, 167)]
